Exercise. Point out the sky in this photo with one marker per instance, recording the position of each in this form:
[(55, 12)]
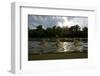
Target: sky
[(50, 21)]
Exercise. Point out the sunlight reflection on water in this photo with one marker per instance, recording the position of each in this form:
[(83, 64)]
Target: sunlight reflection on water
[(65, 46)]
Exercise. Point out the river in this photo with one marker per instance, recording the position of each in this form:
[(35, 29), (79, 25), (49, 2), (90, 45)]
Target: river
[(52, 45)]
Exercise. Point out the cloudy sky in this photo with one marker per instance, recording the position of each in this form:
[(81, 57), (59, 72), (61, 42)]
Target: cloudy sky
[(49, 21)]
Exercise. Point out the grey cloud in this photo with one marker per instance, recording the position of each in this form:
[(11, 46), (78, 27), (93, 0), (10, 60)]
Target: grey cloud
[(49, 21)]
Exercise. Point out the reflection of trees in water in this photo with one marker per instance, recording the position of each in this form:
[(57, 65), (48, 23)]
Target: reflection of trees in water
[(59, 45), (43, 44)]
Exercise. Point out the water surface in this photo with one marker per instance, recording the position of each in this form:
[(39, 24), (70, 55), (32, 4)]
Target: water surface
[(52, 45)]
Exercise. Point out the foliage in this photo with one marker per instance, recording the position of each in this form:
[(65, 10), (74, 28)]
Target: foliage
[(56, 31)]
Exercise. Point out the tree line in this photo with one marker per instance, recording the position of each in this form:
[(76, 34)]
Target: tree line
[(56, 31)]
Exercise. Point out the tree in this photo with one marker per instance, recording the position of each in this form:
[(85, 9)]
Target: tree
[(40, 31), (58, 31), (75, 28), (54, 27), (39, 27), (50, 32), (85, 32), (85, 29)]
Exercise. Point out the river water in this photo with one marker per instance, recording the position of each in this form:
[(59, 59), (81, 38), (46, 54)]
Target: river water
[(51, 45)]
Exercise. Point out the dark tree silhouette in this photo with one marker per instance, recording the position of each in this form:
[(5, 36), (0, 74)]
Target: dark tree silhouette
[(85, 29), (57, 31), (75, 28)]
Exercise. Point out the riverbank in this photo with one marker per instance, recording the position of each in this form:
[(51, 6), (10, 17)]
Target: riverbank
[(61, 55)]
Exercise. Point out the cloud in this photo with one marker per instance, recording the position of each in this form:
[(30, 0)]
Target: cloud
[(82, 21), (50, 21)]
